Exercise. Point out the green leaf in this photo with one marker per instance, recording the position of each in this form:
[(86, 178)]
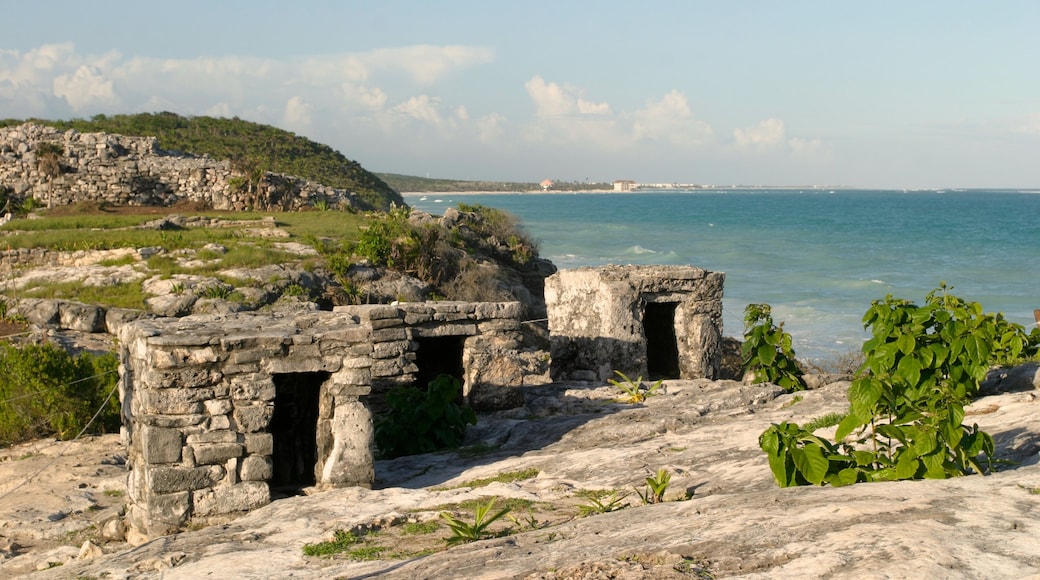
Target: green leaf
[(907, 466), (766, 354), (812, 462)]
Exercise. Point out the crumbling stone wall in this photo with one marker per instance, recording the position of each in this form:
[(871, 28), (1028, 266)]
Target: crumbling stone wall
[(198, 396), (123, 170), (597, 314)]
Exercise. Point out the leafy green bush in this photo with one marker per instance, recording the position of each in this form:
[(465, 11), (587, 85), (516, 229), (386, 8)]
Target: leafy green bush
[(423, 421), (907, 401), (45, 391), (766, 351)]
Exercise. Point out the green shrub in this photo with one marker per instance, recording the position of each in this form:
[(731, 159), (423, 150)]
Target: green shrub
[(48, 392), (767, 351), (907, 401), (423, 421)]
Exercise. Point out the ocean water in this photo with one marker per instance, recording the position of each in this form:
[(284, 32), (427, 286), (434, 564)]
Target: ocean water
[(819, 257)]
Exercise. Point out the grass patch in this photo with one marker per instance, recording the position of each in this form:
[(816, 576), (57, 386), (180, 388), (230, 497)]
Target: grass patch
[(124, 261), (119, 295), (478, 450), (420, 528), (113, 493), (471, 505), (828, 420), (505, 477), (342, 542)]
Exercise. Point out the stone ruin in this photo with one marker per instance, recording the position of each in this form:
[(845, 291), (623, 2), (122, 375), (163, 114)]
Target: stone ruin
[(223, 413), (657, 322)]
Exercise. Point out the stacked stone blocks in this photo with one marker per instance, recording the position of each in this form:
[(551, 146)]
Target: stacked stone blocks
[(198, 396)]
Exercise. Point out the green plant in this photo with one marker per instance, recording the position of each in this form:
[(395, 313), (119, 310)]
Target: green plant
[(217, 291), (420, 528), (828, 420), (294, 289), (47, 391), (342, 542), (601, 504), (922, 365), (656, 486), (529, 522), (423, 421), (322, 205), (633, 389), (465, 532), (504, 477), (767, 352)]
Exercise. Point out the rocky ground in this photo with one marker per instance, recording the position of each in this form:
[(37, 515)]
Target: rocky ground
[(724, 516)]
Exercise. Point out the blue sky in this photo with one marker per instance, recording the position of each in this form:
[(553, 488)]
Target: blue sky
[(868, 94)]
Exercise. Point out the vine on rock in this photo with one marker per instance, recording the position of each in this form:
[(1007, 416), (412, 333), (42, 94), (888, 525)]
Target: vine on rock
[(906, 404)]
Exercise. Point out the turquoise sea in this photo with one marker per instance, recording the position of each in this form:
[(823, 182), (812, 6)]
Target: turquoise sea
[(819, 257)]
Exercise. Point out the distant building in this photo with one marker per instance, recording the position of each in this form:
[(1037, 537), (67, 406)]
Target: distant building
[(547, 185), (624, 185)]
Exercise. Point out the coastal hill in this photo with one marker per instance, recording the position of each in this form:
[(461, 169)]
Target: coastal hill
[(250, 147)]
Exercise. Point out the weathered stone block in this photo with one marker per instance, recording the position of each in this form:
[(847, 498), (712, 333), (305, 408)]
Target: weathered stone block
[(81, 317), (256, 387), (388, 334), (259, 443), (218, 422), (252, 418), (160, 445), (256, 468), (389, 349), (172, 401), (210, 454), (213, 437), (163, 480), (218, 406), (446, 330), (226, 499)]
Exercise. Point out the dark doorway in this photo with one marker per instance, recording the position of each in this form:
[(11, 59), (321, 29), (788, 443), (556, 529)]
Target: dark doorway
[(662, 349), (294, 427), (438, 355)]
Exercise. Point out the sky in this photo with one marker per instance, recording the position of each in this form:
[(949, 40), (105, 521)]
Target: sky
[(884, 94)]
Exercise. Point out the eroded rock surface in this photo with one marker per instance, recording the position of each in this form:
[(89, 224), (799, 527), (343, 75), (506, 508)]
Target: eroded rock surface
[(737, 524)]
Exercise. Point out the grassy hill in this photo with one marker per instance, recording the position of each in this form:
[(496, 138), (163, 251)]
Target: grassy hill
[(243, 142)]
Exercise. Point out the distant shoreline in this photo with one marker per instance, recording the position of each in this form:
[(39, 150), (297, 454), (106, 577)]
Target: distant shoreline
[(715, 190)]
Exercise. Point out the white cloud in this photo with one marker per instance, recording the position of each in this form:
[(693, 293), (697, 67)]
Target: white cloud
[(1030, 125), (86, 87), (298, 114), (426, 63), (808, 147), (421, 108), (670, 120), (490, 127), (552, 100), (372, 98), (765, 135)]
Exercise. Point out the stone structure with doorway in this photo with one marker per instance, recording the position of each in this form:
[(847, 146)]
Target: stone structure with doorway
[(222, 413), (649, 321)]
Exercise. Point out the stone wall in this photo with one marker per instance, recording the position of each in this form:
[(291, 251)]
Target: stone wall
[(649, 321), (123, 170), (201, 397)]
